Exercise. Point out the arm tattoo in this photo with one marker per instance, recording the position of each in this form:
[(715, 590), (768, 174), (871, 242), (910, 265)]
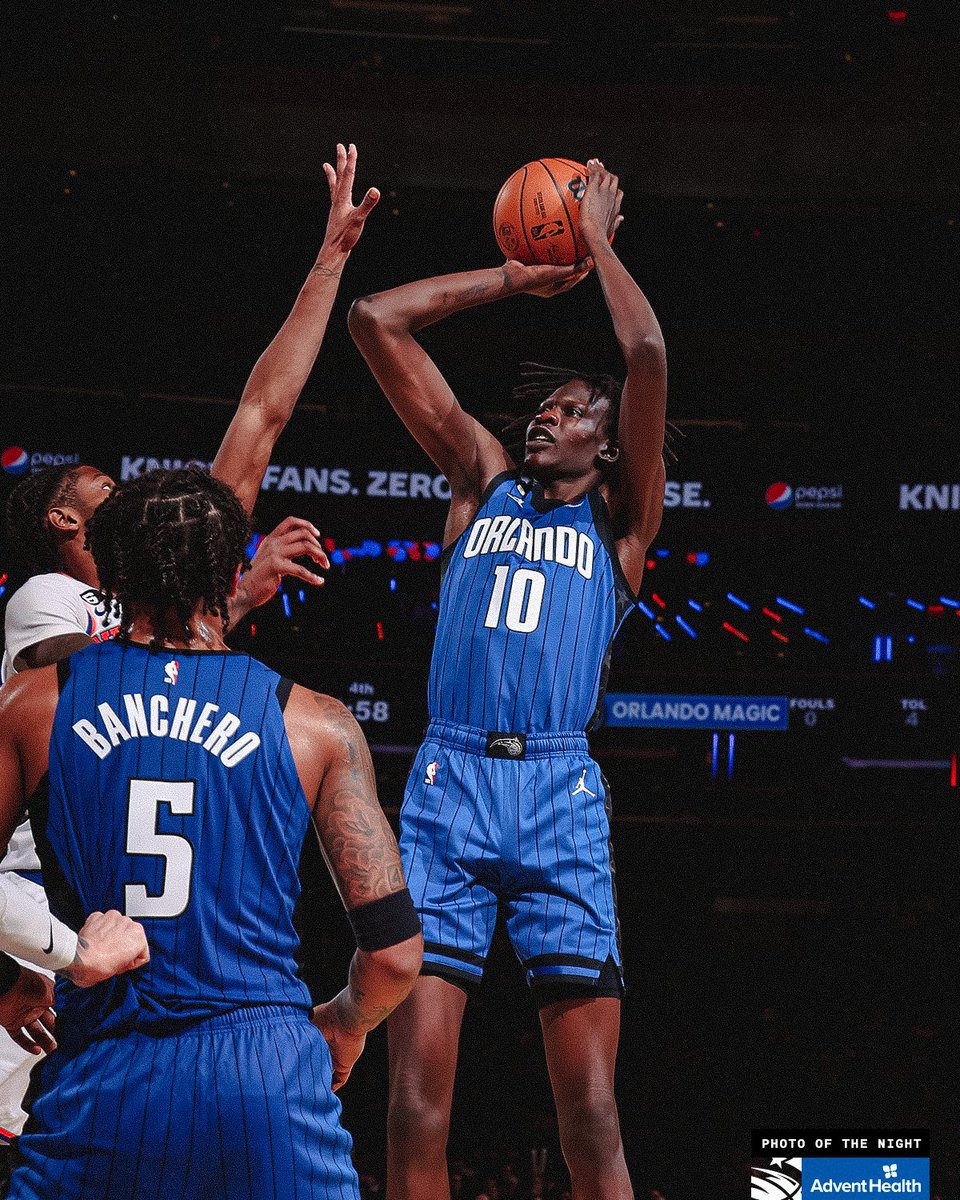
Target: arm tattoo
[(356, 838)]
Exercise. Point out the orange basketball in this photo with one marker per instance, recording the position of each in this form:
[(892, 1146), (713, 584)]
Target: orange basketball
[(536, 216)]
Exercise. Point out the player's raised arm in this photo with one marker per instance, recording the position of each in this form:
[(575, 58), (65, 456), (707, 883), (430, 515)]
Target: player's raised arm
[(644, 404), (383, 326), (362, 855), (282, 370)]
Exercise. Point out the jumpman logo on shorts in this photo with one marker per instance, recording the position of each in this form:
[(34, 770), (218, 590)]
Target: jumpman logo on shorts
[(582, 786)]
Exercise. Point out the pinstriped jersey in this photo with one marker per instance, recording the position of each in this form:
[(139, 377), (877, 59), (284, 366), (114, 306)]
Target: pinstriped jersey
[(173, 796), (532, 596)]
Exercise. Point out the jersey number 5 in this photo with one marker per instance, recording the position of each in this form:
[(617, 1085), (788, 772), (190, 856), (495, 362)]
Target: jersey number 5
[(523, 603), (143, 803)]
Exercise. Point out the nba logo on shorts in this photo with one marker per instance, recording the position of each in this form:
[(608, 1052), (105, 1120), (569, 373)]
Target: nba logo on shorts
[(431, 776), (170, 672), (778, 1179)]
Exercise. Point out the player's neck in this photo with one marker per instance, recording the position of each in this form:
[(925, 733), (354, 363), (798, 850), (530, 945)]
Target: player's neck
[(567, 489), (78, 564), (166, 631)]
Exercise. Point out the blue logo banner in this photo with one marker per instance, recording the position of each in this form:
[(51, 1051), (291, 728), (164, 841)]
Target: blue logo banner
[(667, 711), (891, 1176)]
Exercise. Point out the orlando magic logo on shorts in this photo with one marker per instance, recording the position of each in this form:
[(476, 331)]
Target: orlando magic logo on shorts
[(776, 1179)]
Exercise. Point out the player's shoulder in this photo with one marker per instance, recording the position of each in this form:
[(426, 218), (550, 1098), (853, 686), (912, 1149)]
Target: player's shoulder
[(321, 715), (39, 592), (28, 696), (48, 583)]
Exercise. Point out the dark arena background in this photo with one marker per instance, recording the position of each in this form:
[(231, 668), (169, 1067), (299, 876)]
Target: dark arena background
[(788, 896)]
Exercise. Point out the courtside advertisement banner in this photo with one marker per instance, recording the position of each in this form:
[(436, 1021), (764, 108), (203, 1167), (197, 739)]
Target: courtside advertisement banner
[(809, 1164)]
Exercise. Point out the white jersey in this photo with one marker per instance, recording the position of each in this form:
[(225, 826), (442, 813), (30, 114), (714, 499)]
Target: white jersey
[(48, 606)]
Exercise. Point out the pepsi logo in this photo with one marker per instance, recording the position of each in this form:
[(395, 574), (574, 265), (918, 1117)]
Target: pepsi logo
[(14, 460), (779, 495)]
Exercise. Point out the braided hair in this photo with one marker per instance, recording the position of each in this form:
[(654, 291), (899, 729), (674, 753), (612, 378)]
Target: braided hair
[(27, 508), (168, 540), (538, 382)]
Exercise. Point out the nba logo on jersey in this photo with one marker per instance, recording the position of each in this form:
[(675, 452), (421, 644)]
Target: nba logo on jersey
[(170, 672), (431, 776)]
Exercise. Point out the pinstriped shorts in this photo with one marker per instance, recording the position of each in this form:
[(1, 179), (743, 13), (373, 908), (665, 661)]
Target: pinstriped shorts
[(531, 834), (236, 1107)]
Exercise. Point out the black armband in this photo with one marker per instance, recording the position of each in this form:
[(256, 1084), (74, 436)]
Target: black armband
[(9, 973), (385, 922)]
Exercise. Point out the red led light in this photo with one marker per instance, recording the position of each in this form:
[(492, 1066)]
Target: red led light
[(774, 616), (779, 636), (897, 16), (253, 630), (379, 631), (953, 770), (3, 579), (931, 608), (656, 599), (651, 563), (736, 632)]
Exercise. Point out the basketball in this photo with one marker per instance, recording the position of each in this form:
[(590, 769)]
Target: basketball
[(536, 216)]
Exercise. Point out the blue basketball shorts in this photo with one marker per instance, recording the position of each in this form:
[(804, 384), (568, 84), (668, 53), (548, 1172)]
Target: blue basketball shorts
[(494, 819), (236, 1107)]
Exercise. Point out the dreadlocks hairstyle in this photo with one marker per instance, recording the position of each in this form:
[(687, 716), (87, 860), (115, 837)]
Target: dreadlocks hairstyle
[(27, 508), (538, 381), (167, 540)]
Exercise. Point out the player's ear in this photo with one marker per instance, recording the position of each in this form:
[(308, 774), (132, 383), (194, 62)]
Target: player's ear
[(63, 520)]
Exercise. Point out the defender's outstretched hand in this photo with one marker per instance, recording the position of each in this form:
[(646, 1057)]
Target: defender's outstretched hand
[(600, 207), (108, 944), (25, 1012), (275, 558), (345, 223)]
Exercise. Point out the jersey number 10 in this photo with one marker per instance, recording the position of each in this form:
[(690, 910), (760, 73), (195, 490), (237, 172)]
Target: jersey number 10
[(523, 603)]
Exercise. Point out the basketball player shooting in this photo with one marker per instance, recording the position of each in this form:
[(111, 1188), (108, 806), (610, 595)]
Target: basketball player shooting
[(175, 779), (504, 804)]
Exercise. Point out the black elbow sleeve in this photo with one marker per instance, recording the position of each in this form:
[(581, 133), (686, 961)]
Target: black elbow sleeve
[(385, 922)]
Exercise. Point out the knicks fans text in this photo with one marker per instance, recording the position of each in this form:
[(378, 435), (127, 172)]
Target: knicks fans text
[(554, 543), (153, 719)]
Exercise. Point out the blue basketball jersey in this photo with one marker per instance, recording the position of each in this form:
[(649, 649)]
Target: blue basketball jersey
[(532, 596), (173, 796)]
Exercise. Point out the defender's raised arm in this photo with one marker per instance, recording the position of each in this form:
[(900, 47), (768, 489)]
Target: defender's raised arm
[(278, 378)]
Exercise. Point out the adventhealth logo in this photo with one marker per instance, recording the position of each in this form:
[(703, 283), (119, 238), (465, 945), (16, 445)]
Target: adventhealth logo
[(866, 1177)]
